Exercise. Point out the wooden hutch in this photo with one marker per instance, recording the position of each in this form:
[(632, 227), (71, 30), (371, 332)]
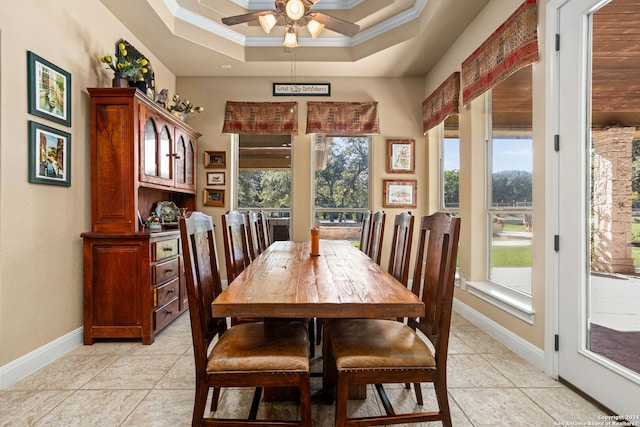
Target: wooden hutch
[(141, 155)]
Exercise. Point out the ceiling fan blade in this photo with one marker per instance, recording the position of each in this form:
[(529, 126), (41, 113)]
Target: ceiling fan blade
[(247, 17), (336, 24)]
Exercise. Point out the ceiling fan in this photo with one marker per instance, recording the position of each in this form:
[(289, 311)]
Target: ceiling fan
[(296, 13)]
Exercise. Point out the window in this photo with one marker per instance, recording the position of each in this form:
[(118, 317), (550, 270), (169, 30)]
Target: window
[(264, 178), (341, 185), (510, 174), (450, 165)]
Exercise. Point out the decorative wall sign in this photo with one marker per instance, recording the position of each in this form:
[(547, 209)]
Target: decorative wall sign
[(49, 155), (49, 90), (302, 89)]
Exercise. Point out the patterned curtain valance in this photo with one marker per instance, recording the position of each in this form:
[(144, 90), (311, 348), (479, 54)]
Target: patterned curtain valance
[(442, 102), (343, 118), (512, 46), (261, 118)]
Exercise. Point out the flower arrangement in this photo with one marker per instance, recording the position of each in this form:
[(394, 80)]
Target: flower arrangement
[(182, 108), (135, 70)]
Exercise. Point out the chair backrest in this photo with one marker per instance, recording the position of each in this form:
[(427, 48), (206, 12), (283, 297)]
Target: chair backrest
[(265, 235), (253, 234), (365, 234), (377, 234), (434, 278), (236, 248), (401, 246), (203, 282)]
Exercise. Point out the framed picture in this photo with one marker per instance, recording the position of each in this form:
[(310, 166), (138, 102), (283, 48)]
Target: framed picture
[(400, 194), (215, 178), (215, 159), (213, 197), (49, 90), (49, 155), (401, 156)]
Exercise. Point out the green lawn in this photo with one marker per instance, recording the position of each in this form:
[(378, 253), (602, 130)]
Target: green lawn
[(511, 256)]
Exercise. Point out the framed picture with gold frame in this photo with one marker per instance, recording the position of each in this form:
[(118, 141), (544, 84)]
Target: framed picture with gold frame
[(213, 197), (215, 159), (400, 193), (401, 156)]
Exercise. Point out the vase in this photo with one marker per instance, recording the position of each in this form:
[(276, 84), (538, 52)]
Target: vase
[(120, 80), (181, 115)]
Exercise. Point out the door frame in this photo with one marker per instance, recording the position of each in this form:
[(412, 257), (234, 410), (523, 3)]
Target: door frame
[(572, 237)]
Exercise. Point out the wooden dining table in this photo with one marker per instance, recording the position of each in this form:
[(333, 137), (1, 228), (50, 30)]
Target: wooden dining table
[(285, 281)]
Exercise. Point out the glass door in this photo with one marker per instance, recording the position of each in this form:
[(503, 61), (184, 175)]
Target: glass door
[(597, 282)]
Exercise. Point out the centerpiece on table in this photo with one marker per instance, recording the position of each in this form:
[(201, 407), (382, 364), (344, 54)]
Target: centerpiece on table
[(125, 71)]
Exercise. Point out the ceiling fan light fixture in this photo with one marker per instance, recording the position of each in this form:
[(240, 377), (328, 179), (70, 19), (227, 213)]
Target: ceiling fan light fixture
[(290, 38), (267, 22), (315, 28), (294, 9)]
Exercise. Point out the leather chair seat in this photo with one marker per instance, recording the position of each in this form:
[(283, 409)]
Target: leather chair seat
[(259, 346), (378, 343)]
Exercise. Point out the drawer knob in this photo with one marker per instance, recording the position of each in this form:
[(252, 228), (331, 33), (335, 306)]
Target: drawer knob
[(167, 249)]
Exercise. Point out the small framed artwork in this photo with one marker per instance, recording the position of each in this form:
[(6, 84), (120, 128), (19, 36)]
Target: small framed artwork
[(400, 193), (215, 159), (49, 90), (401, 156), (215, 178), (213, 197), (49, 155)]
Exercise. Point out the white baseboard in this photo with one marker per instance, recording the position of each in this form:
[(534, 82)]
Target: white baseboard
[(515, 343), (29, 363)]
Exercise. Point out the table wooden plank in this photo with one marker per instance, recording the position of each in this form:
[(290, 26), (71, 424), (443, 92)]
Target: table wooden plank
[(285, 281)]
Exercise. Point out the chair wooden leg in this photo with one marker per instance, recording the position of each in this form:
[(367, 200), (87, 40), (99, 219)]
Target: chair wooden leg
[(319, 327), (443, 401), (418, 389), (200, 403), (342, 398), (312, 340), (214, 399), (305, 401)]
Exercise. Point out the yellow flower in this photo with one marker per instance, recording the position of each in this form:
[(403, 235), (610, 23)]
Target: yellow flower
[(143, 62), (144, 70), (121, 46)]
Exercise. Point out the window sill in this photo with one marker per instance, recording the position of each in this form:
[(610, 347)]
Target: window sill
[(513, 302)]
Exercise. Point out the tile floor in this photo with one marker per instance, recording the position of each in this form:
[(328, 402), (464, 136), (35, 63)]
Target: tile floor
[(128, 384)]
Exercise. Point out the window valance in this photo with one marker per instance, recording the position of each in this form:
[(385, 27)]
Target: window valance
[(442, 102), (261, 118), (342, 118), (512, 46)]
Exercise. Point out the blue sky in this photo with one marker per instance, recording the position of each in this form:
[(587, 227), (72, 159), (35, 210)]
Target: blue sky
[(509, 154)]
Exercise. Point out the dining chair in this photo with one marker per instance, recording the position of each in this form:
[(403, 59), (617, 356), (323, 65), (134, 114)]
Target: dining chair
[(236, 247), (378, 351), (365, 234), (246, 355), (253, 234), (265, 236), (401, 247), (377, 235)]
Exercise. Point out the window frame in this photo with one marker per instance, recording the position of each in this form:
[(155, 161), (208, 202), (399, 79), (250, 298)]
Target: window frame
[(315, 208)]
